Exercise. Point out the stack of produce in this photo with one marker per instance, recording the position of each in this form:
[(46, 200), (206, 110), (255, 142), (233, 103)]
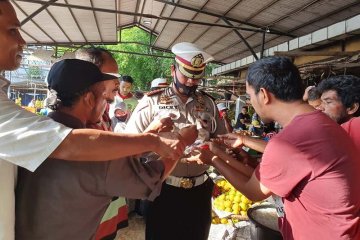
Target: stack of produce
[(230, 201)]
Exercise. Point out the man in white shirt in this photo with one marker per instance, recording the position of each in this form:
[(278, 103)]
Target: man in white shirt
[(26, 140)]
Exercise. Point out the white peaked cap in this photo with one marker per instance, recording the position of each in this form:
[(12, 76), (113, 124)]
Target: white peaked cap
[(188, 51)]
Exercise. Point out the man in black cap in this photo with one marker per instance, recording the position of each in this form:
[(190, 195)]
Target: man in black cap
[(64, 199), (186, 194)]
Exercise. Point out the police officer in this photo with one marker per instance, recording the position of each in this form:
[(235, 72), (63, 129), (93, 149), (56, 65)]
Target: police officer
[(183, 209)]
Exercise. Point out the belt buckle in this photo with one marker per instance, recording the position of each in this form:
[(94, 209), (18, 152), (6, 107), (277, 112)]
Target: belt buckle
[(186, 183)]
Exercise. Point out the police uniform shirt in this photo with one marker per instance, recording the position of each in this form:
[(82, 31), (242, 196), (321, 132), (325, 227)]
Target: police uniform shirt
[(164, 102)]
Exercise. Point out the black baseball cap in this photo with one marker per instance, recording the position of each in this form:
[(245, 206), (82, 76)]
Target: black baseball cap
[(70, 76)]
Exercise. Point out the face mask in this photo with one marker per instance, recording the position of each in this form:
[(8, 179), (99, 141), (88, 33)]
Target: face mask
[(183, 89)]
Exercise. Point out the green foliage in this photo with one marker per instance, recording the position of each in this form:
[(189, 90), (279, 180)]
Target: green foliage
[(34, 72), (143, 69)]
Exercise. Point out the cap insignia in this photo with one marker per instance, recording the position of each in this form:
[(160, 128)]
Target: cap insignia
[(197, 60)]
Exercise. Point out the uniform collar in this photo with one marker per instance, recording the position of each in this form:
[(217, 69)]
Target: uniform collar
[(173, 93)]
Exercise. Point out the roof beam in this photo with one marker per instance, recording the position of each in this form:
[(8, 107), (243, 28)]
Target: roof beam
[(72, 6), (56, 22), (165, 23), (76, 22), (136, 10), (96, 21), (111, 50), (29, 35), (302, 25), (37, 25), (31, 16), (186, 25), (262, 9), (317, 53), (208, 29), (243, 39), (272, 31)]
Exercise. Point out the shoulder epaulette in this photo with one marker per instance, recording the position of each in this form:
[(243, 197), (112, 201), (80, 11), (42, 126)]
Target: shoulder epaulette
[(154, 92), (205, 93)]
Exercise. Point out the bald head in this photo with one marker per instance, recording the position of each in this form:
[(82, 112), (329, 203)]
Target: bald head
[(100, 57)]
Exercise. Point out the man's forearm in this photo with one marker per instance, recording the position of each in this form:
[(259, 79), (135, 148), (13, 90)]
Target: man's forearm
[(169, 166), (254, 143), (234, 176), (96, 145)]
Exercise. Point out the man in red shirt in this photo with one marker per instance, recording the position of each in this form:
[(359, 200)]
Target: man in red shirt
[(311, 164), (340, 97)]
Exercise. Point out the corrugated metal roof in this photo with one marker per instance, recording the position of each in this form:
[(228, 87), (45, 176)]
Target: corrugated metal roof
[(95, 21)]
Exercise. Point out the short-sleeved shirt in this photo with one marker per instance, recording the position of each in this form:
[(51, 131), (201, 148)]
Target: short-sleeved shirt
[(313, 165), (67, 199), (352, 127), (26, 140), (164, 102)]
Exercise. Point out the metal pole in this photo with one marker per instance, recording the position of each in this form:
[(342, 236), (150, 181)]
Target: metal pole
[(262, 45)]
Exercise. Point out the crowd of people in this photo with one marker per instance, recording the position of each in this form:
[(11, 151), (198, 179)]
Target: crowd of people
[(65, 176)]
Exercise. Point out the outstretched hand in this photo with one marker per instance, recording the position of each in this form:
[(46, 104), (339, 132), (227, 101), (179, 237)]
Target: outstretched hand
[(171, 145), (232, 140), (160, 125)]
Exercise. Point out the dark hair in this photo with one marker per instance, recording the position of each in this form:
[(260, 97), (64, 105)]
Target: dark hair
[(279, 76), (93, 55), (313, 94), (347, 88), (57, 100), (128, 79)]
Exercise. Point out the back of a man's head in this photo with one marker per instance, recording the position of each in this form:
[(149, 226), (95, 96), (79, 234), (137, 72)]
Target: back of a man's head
[(347, 88), (277, 75), (96, 55)]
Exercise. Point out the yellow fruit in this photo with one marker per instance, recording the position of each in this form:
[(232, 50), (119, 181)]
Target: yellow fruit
[(232, 192), (236, 211), (222, 197), (237, 199), (245, 199), (228, 209), (215, 220), (224, 220), (243, 206), (235, 206), (243, 213), (227, 203)]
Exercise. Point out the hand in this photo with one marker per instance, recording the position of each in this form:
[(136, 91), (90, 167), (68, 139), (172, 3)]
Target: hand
[(171, 145), (160, 125), (232, 140), (189, 134), (205, 153), (201, 156)]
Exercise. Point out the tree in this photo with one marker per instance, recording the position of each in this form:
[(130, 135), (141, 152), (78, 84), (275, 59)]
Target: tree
[(143, 69)]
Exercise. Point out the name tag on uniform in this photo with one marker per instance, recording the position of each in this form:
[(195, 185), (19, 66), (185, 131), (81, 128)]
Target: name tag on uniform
[(168, 107)]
